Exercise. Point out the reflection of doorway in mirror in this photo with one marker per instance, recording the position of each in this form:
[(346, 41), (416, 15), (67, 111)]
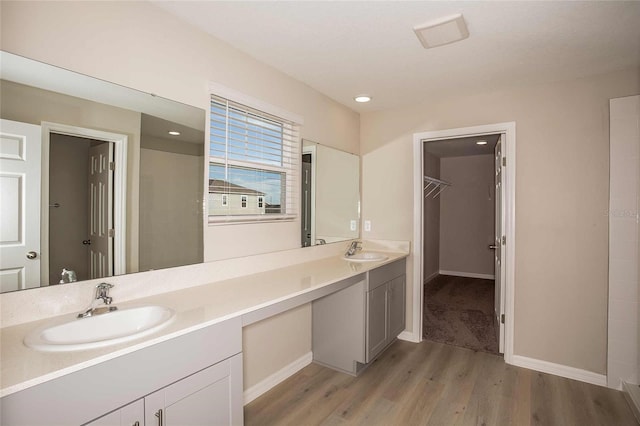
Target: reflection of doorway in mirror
[(84, 191), (80, 207), (307, 195)]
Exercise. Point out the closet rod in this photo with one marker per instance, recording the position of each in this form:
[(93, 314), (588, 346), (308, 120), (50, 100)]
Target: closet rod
[(438, 185)]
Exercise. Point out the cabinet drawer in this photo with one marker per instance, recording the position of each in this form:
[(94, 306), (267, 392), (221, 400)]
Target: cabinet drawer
[(386, 273)]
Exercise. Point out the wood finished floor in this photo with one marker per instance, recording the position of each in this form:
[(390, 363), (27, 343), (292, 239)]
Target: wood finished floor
[(436, 384)]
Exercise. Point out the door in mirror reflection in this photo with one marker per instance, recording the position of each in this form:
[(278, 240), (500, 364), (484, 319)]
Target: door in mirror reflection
[(80, 208), (19, 205)]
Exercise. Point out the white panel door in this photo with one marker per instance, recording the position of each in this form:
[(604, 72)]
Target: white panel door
[(498, 267), (100, 211), (20, 173)]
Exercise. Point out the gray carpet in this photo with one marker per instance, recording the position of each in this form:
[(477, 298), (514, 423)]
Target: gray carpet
[(459, 311)]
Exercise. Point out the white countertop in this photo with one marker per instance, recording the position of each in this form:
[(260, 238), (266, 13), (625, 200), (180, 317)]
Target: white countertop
[(195, 307)]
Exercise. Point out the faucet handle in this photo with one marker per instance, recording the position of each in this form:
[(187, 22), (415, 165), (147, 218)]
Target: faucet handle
[(102, 292)]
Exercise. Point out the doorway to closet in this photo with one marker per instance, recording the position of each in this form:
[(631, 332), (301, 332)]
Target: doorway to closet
[(505, 237), (461, 197)]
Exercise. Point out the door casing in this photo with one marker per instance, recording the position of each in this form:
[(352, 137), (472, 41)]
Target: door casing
[(508, 129), (120, 142)]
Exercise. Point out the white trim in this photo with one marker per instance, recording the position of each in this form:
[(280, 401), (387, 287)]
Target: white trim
[(559, 370), (408, 337), (120, 143), (468, 274), (509, 152), (250, 101), (632, 395), (432, 276), (276, 378)]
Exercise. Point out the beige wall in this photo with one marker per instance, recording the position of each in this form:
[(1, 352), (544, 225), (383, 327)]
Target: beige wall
[(170, 209), (31, 105), (561, 201), (337, 193), (138, 45), (431, 225), (467, 214)]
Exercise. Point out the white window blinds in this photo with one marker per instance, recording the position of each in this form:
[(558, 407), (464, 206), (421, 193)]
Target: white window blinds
[(253, 164)]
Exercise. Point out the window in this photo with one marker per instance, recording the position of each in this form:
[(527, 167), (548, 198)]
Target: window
[(225, 200), (253, 156)]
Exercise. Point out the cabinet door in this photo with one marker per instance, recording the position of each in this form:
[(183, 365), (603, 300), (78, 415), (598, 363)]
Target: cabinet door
[(396, 300), (376, 321), (129, 415), (204, 398)]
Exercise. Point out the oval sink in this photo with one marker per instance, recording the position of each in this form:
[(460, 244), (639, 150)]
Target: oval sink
[(101, 330), (366, 256)]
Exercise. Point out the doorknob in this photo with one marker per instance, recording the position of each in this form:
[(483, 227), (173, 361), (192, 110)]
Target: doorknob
[(492, 246), (86, 242), (32, 255)]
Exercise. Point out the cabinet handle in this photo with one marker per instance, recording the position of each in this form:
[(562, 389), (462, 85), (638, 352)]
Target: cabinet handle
[(159, 416), (136, 424)]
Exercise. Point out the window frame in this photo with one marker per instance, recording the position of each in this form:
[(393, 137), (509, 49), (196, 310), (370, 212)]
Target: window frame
[(291, 123)]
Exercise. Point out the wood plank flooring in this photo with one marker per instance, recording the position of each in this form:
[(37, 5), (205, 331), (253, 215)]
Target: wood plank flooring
[(436, 384)]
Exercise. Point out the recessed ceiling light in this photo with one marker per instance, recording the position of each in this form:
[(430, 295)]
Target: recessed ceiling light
[(442, 31), (481, 142), (174, 133), (362, 98)]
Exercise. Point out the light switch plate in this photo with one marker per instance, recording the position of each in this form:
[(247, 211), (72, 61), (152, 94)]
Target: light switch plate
[(352, 226), (367, 225)]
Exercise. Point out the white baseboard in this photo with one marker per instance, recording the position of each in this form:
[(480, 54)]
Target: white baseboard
[(276, 378), (409, 337), (468, 275), (432, 276), (632, 395), (559, 370)]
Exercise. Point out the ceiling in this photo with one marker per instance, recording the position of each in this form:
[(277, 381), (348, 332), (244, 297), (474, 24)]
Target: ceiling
[(462, 147), (345, 48)]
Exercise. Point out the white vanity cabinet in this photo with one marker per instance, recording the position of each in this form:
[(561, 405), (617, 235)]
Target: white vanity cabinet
[(204, 398), (129, 415), (353, 326), (195, 378)]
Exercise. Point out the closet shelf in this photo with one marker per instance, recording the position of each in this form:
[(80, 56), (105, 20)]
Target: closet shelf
[(434, 185)]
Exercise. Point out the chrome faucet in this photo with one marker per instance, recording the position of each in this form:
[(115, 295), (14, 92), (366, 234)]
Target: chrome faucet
[(102, 293), (353, 248)]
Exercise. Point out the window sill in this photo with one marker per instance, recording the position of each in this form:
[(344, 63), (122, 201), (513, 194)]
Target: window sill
[(261, 218)]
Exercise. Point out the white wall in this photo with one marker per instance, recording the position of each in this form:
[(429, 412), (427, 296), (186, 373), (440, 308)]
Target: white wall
[(562, 181), (624, 293), (139, 45), (467, 215)]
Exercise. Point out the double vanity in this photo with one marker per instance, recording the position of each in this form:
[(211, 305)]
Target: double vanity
[(188, 368)]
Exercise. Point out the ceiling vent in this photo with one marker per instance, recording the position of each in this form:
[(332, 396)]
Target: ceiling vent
[(442, 31)]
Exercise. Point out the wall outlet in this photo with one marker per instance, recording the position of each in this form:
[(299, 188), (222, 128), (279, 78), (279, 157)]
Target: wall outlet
[(367, 225), (353, 225)]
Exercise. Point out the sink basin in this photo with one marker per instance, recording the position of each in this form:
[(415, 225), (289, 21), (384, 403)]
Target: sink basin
[(101, 330), (366, 256)]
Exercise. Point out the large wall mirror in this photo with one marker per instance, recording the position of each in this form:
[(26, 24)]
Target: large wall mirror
[(330, 195), (96, 179)]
